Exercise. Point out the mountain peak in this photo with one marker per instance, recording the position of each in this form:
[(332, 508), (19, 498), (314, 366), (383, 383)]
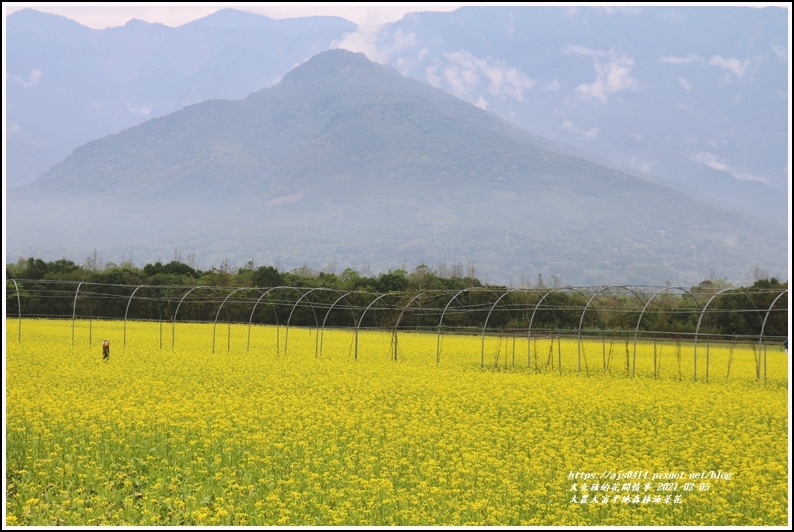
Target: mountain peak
[(235, 19), (339, 72), (374, 162), (31, 20), (338, 64)]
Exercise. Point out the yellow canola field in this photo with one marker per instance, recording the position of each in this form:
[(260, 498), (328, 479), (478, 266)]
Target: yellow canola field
[(251, 435)]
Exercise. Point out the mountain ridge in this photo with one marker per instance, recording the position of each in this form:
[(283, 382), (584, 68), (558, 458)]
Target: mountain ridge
[(129, 74), (348, 161)]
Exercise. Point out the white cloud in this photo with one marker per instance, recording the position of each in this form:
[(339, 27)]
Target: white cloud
[(685, 84), (468, 76), (432, 77), (403, 65), (515, 82), (577, 49), (613, 73), (502, 80), (589, 134), (675, 60), (32, 80), (286, 199), (710, 160), (732, 65), (646, 167), (378, 47), (551, 86), (744, 175), (739, 172), (143, 110), (460, 81), (781, 52)]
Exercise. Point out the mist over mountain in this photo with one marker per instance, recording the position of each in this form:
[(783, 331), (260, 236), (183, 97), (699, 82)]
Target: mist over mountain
[(69, 84), (692, 97), (696, 96), (347, 162)]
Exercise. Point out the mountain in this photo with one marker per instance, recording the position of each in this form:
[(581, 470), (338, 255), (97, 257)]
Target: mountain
[(691, 97), (694, 96), (69, 84), (347, 162)]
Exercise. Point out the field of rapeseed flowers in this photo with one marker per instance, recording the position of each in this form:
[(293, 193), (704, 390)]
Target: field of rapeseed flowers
[(257, 436)]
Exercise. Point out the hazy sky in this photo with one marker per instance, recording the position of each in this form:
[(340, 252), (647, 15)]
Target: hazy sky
[(369, 16), (104, 15)]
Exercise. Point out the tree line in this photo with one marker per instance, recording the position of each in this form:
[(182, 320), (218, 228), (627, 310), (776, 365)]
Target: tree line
[(177, 273), (410, 299)]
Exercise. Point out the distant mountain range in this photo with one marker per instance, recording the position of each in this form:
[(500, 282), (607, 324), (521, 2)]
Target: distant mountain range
[(697, 97), (692, 97), (347, 162), (69, 84)]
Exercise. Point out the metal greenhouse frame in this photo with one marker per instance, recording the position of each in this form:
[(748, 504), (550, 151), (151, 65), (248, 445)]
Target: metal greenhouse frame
[(489, 312)]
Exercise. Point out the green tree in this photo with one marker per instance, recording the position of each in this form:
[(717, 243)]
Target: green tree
[(394, 281), (267, 277), (34, 269)]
